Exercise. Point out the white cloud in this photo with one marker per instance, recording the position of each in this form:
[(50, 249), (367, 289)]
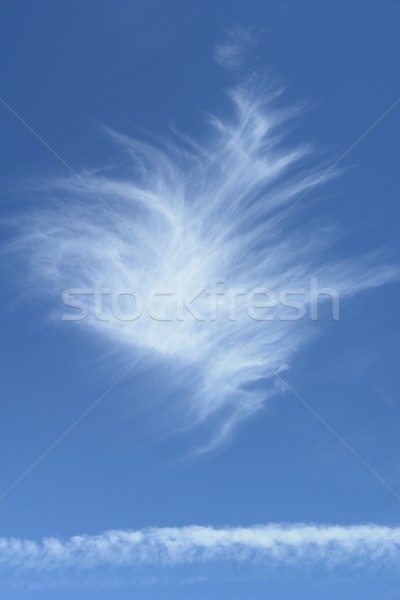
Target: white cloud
[(202, 208), (232, 52), (274, 546)]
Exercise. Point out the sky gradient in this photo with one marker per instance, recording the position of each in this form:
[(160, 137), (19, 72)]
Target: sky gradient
[(245, 145)]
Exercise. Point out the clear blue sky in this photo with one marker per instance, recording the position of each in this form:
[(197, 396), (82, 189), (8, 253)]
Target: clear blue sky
[(70, 68)]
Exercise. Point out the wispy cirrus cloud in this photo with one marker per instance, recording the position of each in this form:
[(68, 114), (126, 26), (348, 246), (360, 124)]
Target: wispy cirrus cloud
[(163, 551), (232, 52), (212, 213)]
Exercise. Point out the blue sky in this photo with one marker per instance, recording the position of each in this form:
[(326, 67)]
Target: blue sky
[(182, 106)]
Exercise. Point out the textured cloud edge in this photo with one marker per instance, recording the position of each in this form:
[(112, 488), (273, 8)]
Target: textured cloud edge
[(195, 550), (190, 214)]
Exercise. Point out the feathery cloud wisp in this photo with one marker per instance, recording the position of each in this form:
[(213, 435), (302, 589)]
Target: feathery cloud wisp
[(209, 211), (232, 52)]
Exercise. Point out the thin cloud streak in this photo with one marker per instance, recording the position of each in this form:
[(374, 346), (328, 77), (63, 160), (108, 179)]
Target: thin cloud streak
[(202, 206), (274, 545)]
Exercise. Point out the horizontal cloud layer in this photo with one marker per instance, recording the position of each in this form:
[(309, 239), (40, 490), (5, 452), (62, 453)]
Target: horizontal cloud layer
[(163, 550)]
